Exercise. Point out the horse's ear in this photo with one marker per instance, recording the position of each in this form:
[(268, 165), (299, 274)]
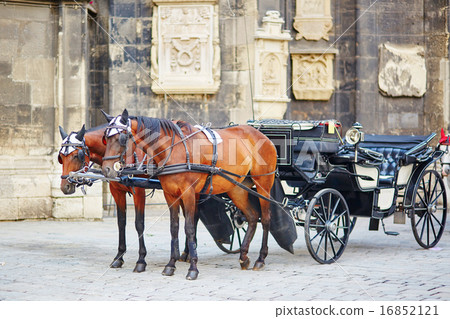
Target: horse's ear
[(124, 117), (107, 116), (62, 132), (442, 133), (80, 134)]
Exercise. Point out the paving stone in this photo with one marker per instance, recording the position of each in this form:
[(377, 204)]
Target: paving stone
[(53, 260)]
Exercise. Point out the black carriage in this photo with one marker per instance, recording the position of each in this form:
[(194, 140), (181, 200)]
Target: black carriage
[(324, 183)]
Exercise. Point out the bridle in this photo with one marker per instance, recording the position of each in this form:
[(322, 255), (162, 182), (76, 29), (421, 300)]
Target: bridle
[(83, 152), (125, 134)]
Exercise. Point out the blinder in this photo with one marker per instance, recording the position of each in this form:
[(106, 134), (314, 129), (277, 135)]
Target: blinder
[(60, 159), (123, 139)]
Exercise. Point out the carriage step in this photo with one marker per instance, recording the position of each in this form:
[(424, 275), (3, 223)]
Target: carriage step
[(389, 233)]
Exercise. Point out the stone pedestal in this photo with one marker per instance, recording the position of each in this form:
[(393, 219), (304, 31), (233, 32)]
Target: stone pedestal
[(271, 54)]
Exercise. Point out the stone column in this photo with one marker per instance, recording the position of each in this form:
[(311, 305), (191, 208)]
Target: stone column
[(271, 54), (71, 107)]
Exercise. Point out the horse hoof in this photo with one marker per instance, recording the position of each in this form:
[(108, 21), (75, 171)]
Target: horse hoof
[(259, 265), (140, 267), (168, 271), (184, 257), (244, 263), (117, 263), (192, 275)]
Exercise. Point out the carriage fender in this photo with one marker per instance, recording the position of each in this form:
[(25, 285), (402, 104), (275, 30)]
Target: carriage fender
[(282, 226), (416, 175)]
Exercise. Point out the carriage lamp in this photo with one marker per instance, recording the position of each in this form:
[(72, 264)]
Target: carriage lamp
[(355, 135)]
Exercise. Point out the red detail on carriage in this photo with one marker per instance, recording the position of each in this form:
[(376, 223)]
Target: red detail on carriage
[(445, 139)]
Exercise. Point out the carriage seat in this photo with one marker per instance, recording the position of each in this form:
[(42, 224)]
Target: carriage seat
[(393, 149), (392, 158)]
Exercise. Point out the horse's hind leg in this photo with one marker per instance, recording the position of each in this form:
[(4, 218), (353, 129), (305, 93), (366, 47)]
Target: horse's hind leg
[(139, 204), (240, 199), (265, 221), (174, 207), (120, 199)]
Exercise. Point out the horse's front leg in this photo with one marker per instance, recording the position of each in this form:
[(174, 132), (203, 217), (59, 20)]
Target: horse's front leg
[(139, 204), (174, 208), (185, 255), (120, 199), (190, 229)]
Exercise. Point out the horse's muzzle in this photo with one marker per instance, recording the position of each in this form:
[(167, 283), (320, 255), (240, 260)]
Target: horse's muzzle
[(67, 188), (109, 172)]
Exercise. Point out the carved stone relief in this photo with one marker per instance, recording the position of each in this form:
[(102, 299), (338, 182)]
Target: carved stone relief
[(271, 54), (185, 54), (313, 19), (312, 76), (402, 70)]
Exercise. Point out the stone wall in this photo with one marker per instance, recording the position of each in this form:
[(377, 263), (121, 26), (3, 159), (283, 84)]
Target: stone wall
[(42, 85)]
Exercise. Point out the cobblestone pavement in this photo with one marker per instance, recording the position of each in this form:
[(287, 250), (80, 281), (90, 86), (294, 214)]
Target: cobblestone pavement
[(55, 260)]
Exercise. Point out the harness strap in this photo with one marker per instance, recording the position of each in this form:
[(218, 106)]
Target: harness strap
[(214, 159), (185, 145)]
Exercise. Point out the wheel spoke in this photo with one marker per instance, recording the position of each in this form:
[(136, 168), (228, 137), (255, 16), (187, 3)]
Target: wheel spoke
[(429, 187), (423, 227), (332, 245), (421, 199), (311, 239), (329, 206), (428, 230), (320, 242), (336, 237), (437, 220), (335, 207), (432, 228), (326, 246), (420, 219), (325, 215), (437, 197), (318, 215), (342, 214), (434, 188)]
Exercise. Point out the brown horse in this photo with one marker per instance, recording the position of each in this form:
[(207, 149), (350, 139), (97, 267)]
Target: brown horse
[(78, 149), (244, 151)]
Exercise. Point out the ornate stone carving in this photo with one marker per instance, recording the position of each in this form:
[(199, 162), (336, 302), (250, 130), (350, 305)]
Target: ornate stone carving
[(185, 54), (312, 75), (313, 20), (271, 54), (402, 70)]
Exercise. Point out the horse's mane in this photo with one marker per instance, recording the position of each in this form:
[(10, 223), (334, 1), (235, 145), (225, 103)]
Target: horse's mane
[(97, 128), (154, 125)]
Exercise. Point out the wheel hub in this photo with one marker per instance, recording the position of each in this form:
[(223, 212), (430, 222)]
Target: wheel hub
[(331, 227), (432, 209)]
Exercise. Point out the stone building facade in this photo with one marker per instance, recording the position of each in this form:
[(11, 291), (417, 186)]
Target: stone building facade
[(383, 63)]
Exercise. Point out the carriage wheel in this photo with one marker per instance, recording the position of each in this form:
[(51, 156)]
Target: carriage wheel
[(239, 224), (429, 210), (327, 226)]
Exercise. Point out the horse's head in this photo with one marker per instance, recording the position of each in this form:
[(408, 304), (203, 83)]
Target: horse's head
[(74, 156), (117, 138), (445, 159)]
